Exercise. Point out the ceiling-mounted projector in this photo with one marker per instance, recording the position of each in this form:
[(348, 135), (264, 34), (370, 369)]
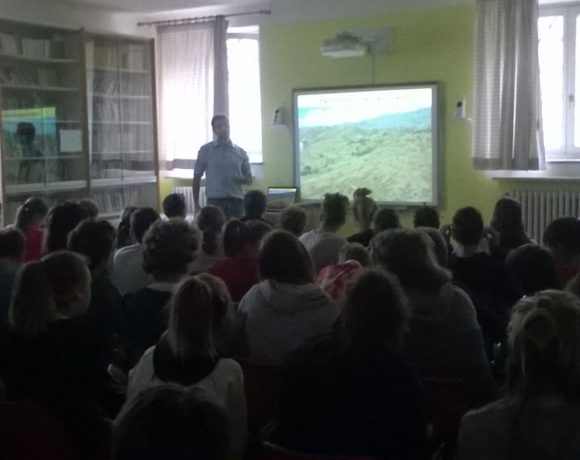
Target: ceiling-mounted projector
[(344, 45)]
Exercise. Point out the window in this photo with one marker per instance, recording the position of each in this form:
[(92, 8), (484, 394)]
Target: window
[(244, 92), (559, 55)]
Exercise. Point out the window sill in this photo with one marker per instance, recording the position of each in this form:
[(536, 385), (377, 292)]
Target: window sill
[(555, 171)]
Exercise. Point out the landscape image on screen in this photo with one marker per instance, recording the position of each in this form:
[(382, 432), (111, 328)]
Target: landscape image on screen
[(381, 139)]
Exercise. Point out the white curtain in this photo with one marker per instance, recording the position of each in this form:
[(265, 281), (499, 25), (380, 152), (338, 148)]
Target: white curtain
[(193, 86), (507, 106)]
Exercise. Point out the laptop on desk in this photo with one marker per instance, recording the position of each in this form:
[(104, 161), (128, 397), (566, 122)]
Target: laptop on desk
[(279, 198)]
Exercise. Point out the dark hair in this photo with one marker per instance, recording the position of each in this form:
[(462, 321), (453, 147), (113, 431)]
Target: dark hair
[(238, 234), (410, 255), (283, 258), (467, 226), (32, 210), (124, 227), (334, 209), (364, 208), (254, 204), (293, 220), (217, 118), (354, 251), (170, 422), (563, 233), (426, 216), (210, 221), (12, 243), (93, 239), (385, 219), (507, 221), (141, 220), (169, 248), (439, 245), (375, 309), (90, 207), (220, 296), (174, 205), (534, 268), (63, 219)]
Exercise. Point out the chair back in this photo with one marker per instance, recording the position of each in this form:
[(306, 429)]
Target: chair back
[(270, 451)]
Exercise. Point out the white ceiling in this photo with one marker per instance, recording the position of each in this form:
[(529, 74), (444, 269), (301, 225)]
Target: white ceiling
[(151, 6)]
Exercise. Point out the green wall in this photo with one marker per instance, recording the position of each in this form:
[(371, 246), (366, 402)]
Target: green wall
[(429, 45)]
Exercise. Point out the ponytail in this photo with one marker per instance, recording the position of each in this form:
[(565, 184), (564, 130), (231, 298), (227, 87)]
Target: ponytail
[(33, 305)]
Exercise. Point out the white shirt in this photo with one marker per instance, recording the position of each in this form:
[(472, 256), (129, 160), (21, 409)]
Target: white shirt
[(128, 273)]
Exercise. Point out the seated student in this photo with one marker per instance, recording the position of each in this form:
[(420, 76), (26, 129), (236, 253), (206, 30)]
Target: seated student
[(124, 228), (487, 280), (286, 308), (540, 416), (171, 422), (62, 219), (364, 209), (91, 208), (169, 248), (30, 219), (186, 355), (445, 340), (533, 268), (12, 250), (254, 206), (174, 206), (385, 219), (353, 392), (53, 359), (333, 279), (239, 269), (507, 222), (94, 240), (562, 238), (440, 245), (426, 216), (210, 221), (293, 220), (323, 243), (128, 272)]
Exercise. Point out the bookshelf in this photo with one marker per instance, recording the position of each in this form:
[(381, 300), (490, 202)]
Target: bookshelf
[(77, 116)]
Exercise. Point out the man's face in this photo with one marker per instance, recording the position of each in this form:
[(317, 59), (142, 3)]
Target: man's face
[(221, 128)]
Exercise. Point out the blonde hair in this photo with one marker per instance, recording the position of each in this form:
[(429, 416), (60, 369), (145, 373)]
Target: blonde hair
[(221, 298), (544, 346), (364, 208), (190, 321), (47, 291)]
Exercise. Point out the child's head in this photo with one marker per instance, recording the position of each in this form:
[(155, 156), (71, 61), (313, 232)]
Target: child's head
[(174, 206), (364, 208), (170, 247), (141, 220), (124, 227), (334, 209), (31, 214), (385, 219), (190, 321), (284, 259), (63, 219), (57, 287), (91, 208), (93, 239), (533, 268), (426, 216), (467, 227), (221, 298), (254, 204), (210, 221), (243, 239), (12, 244), (562, 238), (293, 220), (354, 251)]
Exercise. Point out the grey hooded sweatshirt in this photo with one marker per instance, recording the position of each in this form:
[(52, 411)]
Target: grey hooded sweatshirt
[(280, 317)]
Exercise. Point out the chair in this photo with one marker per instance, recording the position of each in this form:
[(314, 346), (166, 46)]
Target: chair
[(263, 386), (447, 401), (269, 451), (30, 432)]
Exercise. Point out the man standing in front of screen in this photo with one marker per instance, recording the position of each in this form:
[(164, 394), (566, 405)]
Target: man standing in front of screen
[(227, 170)]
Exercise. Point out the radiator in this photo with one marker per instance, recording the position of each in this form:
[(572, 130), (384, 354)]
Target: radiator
[(187, 192), (540, 207)]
